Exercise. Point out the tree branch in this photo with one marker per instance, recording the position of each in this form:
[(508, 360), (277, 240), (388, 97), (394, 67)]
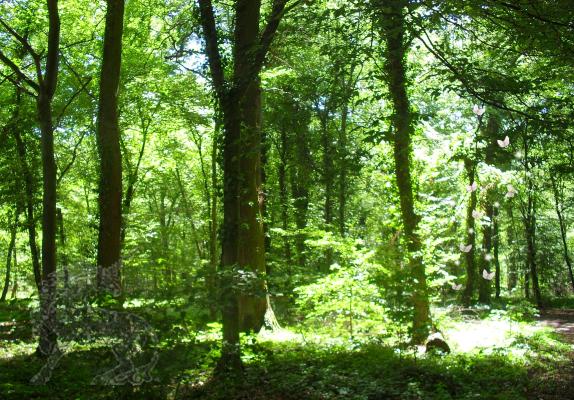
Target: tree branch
[(10, 64), (212, 48)]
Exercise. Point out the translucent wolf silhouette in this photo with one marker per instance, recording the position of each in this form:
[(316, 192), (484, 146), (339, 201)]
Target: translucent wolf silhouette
[(81, 320)]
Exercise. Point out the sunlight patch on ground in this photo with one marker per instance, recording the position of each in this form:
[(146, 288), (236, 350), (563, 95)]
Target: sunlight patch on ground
[(470, 336)]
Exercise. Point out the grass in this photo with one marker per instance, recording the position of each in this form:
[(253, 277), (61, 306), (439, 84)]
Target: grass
[(493, 358)]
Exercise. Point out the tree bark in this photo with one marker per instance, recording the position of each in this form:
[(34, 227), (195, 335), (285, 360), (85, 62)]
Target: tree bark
[(562, 224), (328, 181), (11, 245), (484, 288), (469, 258), (300, 183), (240, 103), (108, 139), (47, 86), (29, 191), (392, 22), (495, 250)]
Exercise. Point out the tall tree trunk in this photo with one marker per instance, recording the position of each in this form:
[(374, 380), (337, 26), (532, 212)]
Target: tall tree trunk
[(108, 138), (469, 258), (48, 341), (495, 250), (512, 267), (392, 22), (132, 181), (29, 190), (11, 245), (251, 249), (300, 183), (486, 256), (15, 268), (562, 224), (529, 220), (328, 181), (530, 233), (343, 169), (212, 277), (240, 104), (284, 195)]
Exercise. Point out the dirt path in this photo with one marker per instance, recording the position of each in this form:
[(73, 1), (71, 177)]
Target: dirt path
[(556, 383), (561, 320)]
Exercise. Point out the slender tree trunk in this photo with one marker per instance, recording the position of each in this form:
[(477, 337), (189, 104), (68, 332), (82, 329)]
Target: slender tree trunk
[(562, 224), (329, 182), (11, 246), (108, 138), (300, 183), (15, 268), (212, 278), (495, 250), (512, 268), (131, 187), (343, 170), (284, 195), (530, 232), (393, 29), (469, 258), (28, 188), (484, 288)]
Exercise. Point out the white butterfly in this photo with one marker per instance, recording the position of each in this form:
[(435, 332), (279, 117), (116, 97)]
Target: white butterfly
[(472, 188), (488, 275), (488, 257), (511, 191), (456, 287), (477, 214), (465, 248), (478, 110), (504, 143)]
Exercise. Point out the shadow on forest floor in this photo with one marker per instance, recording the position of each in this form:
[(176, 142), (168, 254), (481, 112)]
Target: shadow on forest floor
[(285, 370)]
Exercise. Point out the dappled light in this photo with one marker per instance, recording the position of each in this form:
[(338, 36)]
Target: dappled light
[(286, 199)]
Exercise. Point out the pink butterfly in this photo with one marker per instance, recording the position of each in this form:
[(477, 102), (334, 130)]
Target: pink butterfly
[(465, 248), (511, 191), (488, 276), (504, 143), (477, 214), (478, 110), (472, 188), (456, 287)]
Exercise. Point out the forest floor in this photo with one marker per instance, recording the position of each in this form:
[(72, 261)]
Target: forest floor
[(557, 383), (493, 357)]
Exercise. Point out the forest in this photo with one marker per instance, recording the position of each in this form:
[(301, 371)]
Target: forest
[(286, 199)]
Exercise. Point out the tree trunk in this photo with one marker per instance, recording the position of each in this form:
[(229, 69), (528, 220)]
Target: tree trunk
[(484, 288), (530, 233), (329, 182), (284, 195), (108, 138), (495, 249), (393, 29), (212, 277), (562, 224), (300, 183), (469, 258), (29, 190), (11, 246), (48, 341), (14, 293), (251, 247), (343, 169), (240, 103)]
